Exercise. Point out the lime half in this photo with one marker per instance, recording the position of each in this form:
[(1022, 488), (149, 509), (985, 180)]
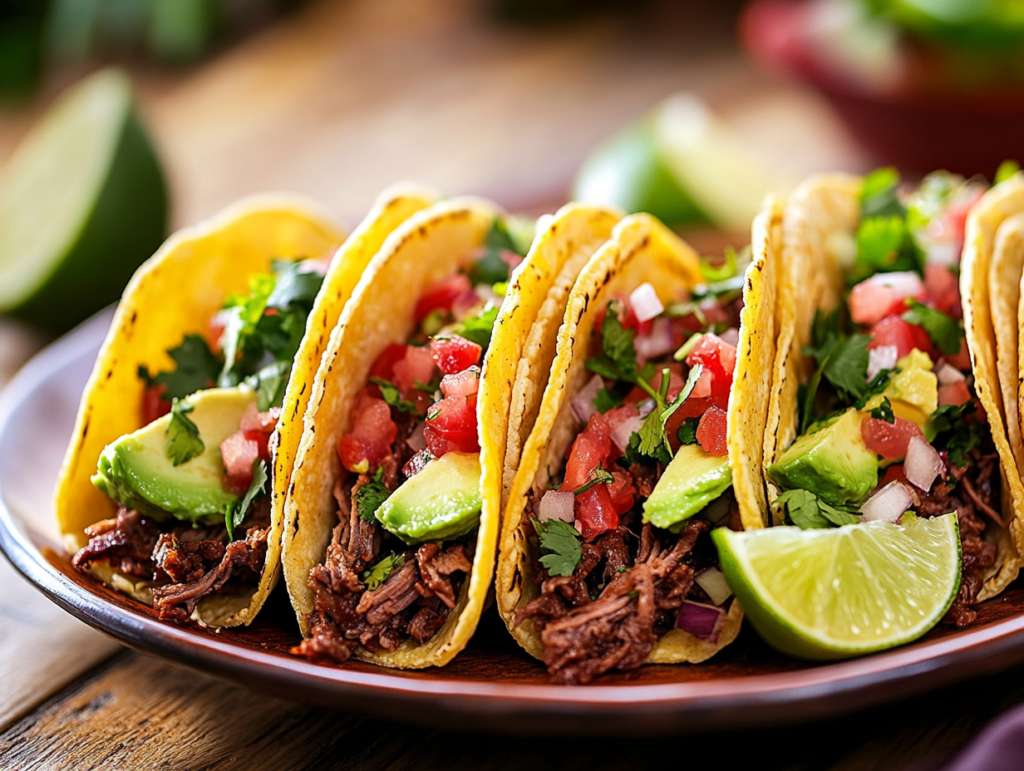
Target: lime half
[(83, 203), (840, 592)]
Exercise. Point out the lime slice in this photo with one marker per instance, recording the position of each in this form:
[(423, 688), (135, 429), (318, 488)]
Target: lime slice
[(839, 592), (83, 203)]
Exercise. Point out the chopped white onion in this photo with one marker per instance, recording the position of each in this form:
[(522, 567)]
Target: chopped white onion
[(556, 504), (655, 343), (882, 357), (922, 464), (904, 283), (645, 303), (625, 429), (888, 504), (583, 403), (488, 295), (730, 336), (645, 408), (713, 582), (938, 250), (947, 374), (417, 440)]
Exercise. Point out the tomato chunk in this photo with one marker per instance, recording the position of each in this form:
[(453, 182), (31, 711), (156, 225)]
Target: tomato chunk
[(961, 359), (153, 403), (465, 383), (383, 368), (369, 440), (454, 354), (239, 453), (954, 393), (883, 294), (622, 491), (711, 432), (591, 448), (441, 296), (417, 366), (595, 512), (943, 288), (719, 358), (893, 330), (889, 440), (894, 473), (451, 426)]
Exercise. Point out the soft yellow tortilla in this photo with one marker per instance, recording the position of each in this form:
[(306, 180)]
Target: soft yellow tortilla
[(819, 228), (177, 292), (430, 246), (641, 250), (1004, 277)]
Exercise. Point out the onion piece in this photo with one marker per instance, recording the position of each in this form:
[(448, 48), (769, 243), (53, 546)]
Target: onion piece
[(713, 582), (922, 464), (655, 343), (702, 621), (938, 250), (888, 504), (882, 357), (947, 374), (730, 336), (645, 408), (417, 463), (583, 403), (645, 303), (621, 433), (556, 504), (417, 440)]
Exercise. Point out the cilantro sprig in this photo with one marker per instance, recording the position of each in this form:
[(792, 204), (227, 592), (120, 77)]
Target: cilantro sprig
[(954, 434), (599, 476), (478, 328), (183, 442), (195, 368), (390, 394), (375, 576), (559, 546), (945, 331), (617, 359), (842, 362), (807, 511), (368, 497), (235, 513), (884, 411), (652, 440)]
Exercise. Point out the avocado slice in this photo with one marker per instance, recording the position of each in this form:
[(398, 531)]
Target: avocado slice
[(135, 469), (439, 503), (689, 483), (832, 463)]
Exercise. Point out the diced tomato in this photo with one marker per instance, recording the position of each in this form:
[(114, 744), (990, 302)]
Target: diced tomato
[(889, 440), (591, 448), (369, 440), (239, 453), (962, 359), (702, 388), (719, 358), (253, 420), (883, 294), (621, 491), (711, 432), (417, 366), (416, 463), (262, 440), (675, 379), (943, 289), (215, 330), (383, 368), (451, 426), (454, 354), (153, 403), (595, 512), (441, 295), (954, 393), (630, 321), (954, 220), (715, 313), (893, 330), (893, 474), (465, 383)]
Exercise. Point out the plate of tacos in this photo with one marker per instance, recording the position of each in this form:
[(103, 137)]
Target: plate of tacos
[(527, 470)]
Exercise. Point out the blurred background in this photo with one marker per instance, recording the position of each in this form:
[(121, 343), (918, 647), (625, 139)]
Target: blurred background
[(121, 120)]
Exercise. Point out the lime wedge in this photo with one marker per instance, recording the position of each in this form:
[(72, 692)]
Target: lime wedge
[(83, 203), (839, 592)]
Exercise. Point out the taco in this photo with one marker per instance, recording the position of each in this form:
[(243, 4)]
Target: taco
[(648, 436), (877, 412), (173, 486), (393, 514)]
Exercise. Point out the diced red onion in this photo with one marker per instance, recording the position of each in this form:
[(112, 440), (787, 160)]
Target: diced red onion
[(556, 504), (701, 620), (645, 303), (583, 403), (888, 504), (625, 429), (657, 342), (730, 336), (417, 441), (882, 357), (947, 374), (922, 464), (645, 408), (713, 582)]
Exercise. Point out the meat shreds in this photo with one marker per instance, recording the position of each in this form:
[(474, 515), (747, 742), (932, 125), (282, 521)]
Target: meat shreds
[(583, 638), (127, 541)]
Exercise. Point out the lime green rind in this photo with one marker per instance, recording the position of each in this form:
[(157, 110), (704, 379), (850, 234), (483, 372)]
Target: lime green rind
[(799, 588)]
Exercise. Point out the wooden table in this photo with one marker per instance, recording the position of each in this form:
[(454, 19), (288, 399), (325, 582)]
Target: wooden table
[(338, 102)]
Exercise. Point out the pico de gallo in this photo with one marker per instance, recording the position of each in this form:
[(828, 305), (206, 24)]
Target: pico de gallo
[(889, 420), (620, 531), (193, 513), (409, 496)]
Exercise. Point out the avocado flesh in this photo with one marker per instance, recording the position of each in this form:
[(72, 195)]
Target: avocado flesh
[(135, 469), (439, 503), (689, 483), (832, 463)]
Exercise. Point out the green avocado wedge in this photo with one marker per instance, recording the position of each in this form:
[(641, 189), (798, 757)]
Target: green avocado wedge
[(83, 202)]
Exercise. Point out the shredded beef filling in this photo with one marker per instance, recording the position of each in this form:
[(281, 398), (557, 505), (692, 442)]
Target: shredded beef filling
[(414, 600), (186, 564)]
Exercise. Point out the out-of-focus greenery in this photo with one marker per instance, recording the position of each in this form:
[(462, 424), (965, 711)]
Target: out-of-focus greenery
[(38, 33), (984, 25)]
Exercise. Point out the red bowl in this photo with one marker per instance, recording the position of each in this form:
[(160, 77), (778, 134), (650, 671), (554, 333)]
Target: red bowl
[(916, 131)]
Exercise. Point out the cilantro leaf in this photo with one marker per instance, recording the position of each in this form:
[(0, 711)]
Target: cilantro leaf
[(478, 328), (652, 440), (945, 331), (883, 244), (294, 286), (953, 433), (559, 546), (687, 433), (727, 270), (598, 476), (606, 400), (375, 576), (884, 411), (878, 194), (368, 497), (847, 367), (235, 513), (389, 392), (428, 388), (183, 442), (195, 368), (270, 384), (618, 353), (807, 511)]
